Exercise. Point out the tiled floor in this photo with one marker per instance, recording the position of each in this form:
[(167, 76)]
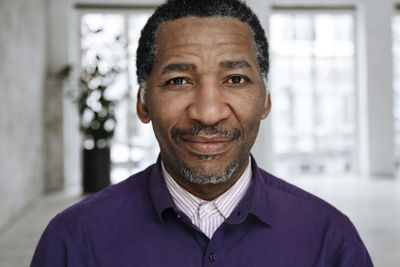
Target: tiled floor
[(373, 204)]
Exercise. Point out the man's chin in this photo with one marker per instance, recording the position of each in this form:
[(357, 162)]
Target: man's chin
[(210, 175), (207, 157)]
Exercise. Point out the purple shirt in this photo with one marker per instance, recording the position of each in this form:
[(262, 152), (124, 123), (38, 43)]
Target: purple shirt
[(135, 223)]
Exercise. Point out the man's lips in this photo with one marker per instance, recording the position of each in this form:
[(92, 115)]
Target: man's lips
[(207, 145)]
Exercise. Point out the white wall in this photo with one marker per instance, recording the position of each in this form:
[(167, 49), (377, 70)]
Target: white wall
[(22, 71), (376, 133)]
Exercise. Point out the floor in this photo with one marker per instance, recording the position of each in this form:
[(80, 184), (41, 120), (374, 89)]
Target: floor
[(18, 242), (373, 204)]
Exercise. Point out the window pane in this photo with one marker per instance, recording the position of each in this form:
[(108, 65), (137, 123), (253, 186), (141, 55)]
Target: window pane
[(312, 89)]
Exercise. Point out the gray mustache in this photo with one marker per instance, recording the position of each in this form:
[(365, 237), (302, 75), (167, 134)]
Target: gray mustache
[(201, 129)]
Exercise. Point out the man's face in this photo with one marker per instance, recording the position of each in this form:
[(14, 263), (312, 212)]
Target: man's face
[(205, 97)]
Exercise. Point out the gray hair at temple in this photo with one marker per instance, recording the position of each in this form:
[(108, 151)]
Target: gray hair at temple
[(176, 9)]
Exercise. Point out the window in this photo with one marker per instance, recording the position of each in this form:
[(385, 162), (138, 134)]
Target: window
[(134, 146), (313, 91)]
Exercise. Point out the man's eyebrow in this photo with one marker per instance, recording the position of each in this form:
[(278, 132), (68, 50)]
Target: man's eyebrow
[(229, 64), (178, 67)]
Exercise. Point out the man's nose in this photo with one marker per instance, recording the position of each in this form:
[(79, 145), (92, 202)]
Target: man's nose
[(209, 105)]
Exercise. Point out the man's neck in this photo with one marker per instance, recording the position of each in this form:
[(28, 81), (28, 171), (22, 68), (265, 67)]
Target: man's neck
[(208, 191)]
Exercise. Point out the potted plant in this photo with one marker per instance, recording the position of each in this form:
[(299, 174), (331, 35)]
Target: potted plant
[(100, 69), (97, 123)]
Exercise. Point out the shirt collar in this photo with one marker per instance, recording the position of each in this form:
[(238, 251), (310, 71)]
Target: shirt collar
[(255, 201), (160, 196), (225, 203), (184, 200), (228, 201), (261, 204)]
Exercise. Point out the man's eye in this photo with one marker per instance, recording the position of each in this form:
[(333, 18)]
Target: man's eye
[(236, 79), (177, 81)]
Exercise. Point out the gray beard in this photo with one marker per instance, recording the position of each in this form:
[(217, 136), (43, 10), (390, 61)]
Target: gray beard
[(193, 176)]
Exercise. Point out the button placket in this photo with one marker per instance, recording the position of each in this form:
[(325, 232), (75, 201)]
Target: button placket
[(212, 257), (214, 249)]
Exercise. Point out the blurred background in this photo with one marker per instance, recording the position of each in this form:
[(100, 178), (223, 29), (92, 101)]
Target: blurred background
[(68, 114)]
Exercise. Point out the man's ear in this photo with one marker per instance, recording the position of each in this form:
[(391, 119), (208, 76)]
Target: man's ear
[(141, 108), (267, 107)]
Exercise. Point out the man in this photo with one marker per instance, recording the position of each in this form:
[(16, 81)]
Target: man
[(202, 67)]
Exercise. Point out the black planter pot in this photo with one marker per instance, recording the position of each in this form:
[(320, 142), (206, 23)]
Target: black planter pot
[(96, 169)]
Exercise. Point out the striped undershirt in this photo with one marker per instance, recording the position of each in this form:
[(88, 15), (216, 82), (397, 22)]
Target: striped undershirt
[(208, 215)]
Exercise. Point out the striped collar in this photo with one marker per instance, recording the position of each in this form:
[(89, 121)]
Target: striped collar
[(225, 203)]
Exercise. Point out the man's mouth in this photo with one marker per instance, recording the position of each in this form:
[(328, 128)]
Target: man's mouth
[(207, 145), (206, 142)]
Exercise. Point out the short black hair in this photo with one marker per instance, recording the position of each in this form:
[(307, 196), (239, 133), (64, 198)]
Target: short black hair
[(176, 9)]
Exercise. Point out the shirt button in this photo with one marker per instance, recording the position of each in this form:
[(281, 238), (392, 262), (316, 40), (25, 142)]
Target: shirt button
[(211, 257), (207, 208), (178, 215)]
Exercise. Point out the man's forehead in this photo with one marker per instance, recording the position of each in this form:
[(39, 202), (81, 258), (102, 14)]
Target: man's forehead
[(206, 26), (222, 33)]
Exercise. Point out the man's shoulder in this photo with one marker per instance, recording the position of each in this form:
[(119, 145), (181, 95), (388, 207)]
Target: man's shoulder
[(130, 194), (296, 217), (290, 202), (283, 189)]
